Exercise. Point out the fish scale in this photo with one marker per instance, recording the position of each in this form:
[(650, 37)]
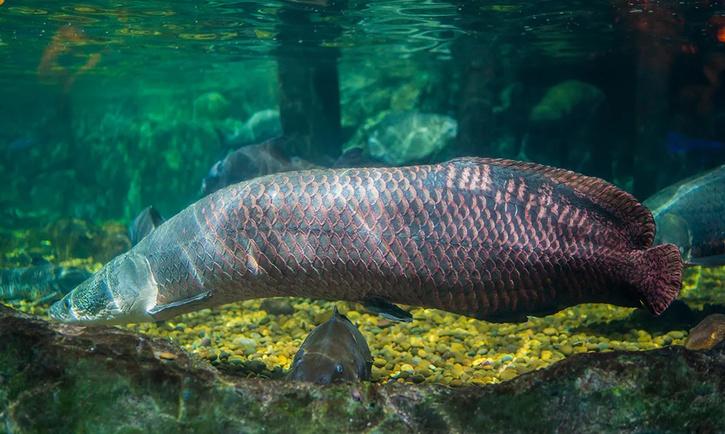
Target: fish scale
[(492, 239), (478, 237)]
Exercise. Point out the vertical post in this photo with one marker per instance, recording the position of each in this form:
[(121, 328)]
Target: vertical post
[(309, 84), (653, 68), (486, 68)]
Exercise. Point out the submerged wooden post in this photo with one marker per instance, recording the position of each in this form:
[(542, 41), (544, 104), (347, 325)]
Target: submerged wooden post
[(309, 85)]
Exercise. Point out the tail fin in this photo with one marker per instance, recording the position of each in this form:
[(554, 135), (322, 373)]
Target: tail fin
[(656, 273)]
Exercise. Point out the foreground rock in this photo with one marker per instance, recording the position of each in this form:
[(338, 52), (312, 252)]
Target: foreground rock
[(106, 380)]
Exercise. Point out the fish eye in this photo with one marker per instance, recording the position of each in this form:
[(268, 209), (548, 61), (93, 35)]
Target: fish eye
[(339, 368)]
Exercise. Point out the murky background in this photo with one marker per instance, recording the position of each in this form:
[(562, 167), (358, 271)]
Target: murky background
[(108, 107)]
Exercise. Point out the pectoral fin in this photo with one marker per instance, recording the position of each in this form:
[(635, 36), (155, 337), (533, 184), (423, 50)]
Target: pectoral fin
[(387, 309), (178, 306)]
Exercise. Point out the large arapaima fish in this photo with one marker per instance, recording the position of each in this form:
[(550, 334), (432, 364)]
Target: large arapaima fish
[(493, 239)]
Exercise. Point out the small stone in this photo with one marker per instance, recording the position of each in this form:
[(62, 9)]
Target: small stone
[(508, 374), (277, 306), (550, 331), (406, 368), (417, 378), (546, 355), (165, 355), (256, 366), (382, 323), (248, 346), (458, 348), (676, 334)]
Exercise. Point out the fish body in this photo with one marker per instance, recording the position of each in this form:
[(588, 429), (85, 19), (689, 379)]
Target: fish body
[(690, 214), (334, 351), (493, 239), (39, 282), (250, 162)]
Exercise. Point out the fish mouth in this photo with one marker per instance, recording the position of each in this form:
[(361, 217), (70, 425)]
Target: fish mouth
[(61, 310)]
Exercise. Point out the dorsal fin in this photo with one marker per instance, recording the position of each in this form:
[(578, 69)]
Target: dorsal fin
[(637, 219)]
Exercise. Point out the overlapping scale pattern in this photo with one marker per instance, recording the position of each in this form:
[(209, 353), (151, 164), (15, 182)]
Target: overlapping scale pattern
[(476, 237)]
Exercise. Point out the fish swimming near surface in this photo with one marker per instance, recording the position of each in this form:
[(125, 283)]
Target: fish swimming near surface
[(249, 162), (492, 239), (44, 282), (690, 214), (145, 222), (334, 351)]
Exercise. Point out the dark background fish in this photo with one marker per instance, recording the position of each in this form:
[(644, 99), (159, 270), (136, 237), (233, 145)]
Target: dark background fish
[(45, 282), (691, 215), (145, 222), (334, 351), (249, 162)]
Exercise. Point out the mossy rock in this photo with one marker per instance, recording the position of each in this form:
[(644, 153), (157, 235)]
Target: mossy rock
[(57, 378)]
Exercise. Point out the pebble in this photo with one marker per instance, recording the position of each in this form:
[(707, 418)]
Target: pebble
[(248, 346), (676, 334), (165, 355), (437, 347), (550, 331), (508, 374), (277, 306), (406, 368)]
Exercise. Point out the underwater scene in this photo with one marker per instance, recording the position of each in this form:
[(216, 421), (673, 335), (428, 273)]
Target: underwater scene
[(362, 216)]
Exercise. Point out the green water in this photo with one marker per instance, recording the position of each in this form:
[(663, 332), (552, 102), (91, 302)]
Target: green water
[(98, 98), (107, 107)]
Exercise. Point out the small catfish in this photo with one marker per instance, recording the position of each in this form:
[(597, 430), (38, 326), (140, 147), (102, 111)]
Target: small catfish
[(334, 351), (40, 283), (249, 162), (689, 214), (145, 222)]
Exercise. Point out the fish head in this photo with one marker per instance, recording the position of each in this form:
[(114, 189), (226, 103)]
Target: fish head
[(121, 292), (322, 369), (448, 128), (214, 179), (334, 351)]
